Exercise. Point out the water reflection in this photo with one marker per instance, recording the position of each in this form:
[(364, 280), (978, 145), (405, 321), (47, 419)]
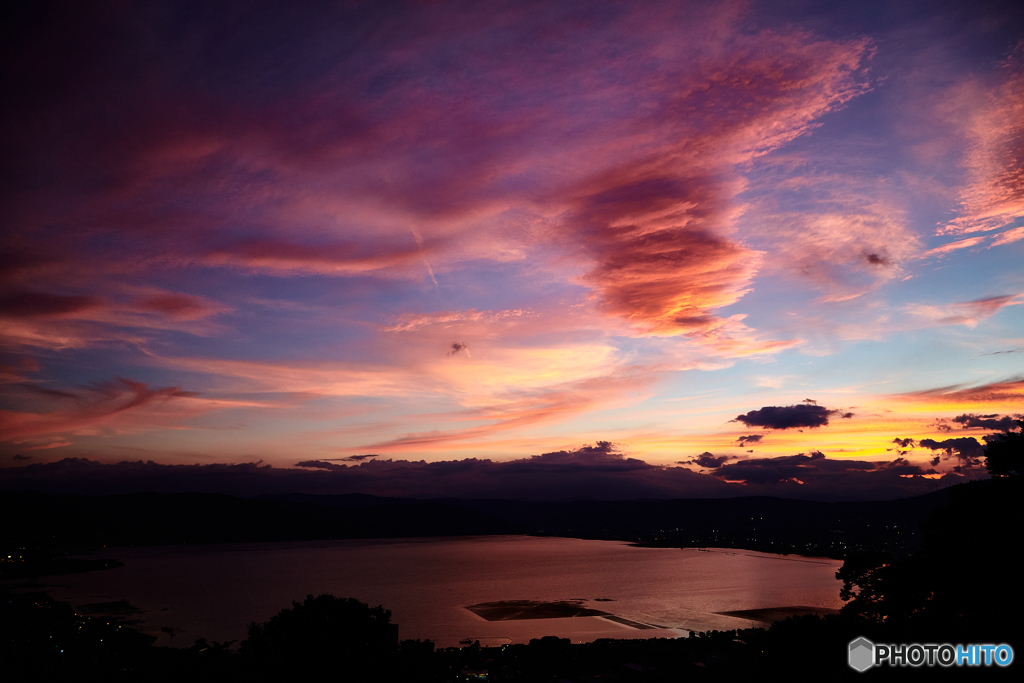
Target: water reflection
[(429, 584)]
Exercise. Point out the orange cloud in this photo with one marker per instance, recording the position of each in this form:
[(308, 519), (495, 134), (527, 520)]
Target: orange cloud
[(521, 409), (1007, 395)]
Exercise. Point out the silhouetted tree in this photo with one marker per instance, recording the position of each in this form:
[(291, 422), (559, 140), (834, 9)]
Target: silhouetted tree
[(881, 589), (1004, 455), (344, 638), (964, 580)]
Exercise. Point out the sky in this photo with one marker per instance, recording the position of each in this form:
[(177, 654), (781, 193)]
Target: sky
[(673, 248)]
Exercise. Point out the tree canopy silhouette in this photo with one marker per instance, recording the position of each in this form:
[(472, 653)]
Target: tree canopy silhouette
[(323, 634), (1004, 455), (964, 579)]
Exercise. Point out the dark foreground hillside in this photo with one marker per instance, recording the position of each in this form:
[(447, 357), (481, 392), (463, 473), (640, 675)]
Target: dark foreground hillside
[(958, 583), (960, 586)]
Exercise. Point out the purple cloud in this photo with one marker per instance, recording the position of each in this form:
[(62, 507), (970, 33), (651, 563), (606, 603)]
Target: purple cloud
[(787, 417), (966, 448), (1005, 423), (594, 472)]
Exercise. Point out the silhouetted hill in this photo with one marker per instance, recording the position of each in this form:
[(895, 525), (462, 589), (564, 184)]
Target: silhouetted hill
[(759, 523), (67, 523), (343, 500), (756, 522), (40, 520)]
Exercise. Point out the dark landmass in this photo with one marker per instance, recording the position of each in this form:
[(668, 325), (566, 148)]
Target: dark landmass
[(51, 529), (110, 608), (766, 524), (956, 581), (960, 585), (24, 561), (506, 610), (191, 518)]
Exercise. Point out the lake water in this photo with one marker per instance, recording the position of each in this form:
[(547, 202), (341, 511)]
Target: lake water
[(214, 591)]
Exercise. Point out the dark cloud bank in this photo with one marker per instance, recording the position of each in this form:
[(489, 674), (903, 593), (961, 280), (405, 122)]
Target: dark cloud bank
[(966, 450), (593, 472), (807, 414), (1003, 423)]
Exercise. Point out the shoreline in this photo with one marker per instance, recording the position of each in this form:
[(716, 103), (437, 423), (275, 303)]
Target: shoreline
[(83, 560)]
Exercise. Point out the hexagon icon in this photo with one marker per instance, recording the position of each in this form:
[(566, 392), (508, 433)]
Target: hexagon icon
[(862, 654)]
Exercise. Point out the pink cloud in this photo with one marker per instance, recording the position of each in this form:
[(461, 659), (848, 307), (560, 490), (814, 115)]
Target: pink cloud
[(178, 306), (1008, 237), (1009, 391), (94, 406), (31, 304), (19, 371), (447, 319), (55, 444), (522, 409), (282, 258), (624, 166), (968, 313), (329, 184), (843, 233), (122, 313), (954, 246), (658, 228), (994, 196)]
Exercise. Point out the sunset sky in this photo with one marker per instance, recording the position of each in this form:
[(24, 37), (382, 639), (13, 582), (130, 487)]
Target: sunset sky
[(443, 231)]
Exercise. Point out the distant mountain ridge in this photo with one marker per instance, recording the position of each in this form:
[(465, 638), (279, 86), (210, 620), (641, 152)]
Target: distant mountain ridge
[(191, 518), (753, 522), (37, 520)]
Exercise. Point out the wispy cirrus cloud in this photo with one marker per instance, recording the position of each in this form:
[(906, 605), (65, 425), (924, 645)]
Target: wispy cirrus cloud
[(968, 313), (1008, 392), (122, 313), (315, 213), (1008, 237), (845, 234), (517, 409), (659, 228), (644, 193), (954, 246), (87, 408), (29, 304), (994, 195), (447, 319), (282, 258)]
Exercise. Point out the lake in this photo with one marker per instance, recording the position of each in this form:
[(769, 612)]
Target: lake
[(214, 591)]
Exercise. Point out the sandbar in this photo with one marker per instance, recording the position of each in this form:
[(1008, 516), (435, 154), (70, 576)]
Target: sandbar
[(770, 615), (508, 610)]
